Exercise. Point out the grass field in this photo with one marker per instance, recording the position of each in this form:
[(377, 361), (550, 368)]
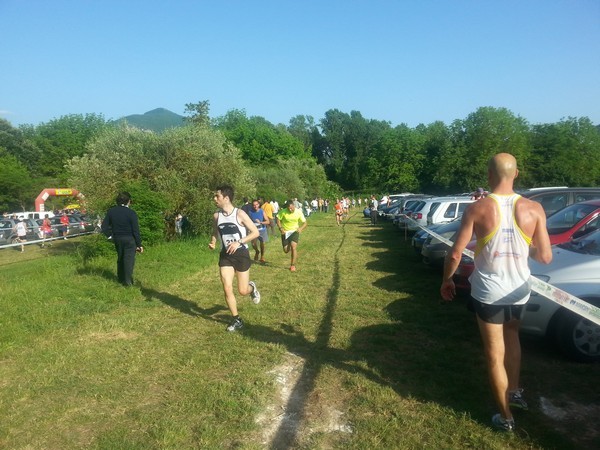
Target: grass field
[(353, 351)]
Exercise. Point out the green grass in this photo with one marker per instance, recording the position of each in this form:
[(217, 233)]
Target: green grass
[(379, 363)]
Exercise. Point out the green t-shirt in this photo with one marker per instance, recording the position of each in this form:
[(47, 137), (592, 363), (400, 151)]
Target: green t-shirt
[(291, 221)]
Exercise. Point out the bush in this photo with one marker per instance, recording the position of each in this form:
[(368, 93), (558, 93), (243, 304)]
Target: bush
[(94, 246)]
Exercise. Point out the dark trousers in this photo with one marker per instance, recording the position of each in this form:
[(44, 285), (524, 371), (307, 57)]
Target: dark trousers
[(125, 246), (373, 216)]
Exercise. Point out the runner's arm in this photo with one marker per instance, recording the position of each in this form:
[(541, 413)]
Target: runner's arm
[(215, 234), (251, 230), (452, 260)]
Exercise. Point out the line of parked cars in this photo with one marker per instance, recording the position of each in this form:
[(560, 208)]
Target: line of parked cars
[(78, 223), (573, 222)]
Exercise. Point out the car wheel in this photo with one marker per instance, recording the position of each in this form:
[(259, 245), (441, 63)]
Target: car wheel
[(578, 337)]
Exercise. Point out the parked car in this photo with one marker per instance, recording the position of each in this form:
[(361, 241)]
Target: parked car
[(8, 236), (75, 226), (86, 223), (419, 217), (554, 198), (562, 226), (387, 211), (574, 221), (434, 251), (575, 268), (447, 210), (401, 219)]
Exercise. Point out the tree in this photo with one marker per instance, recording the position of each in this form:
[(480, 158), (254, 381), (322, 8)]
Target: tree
[(487, 131), (259, 140), (566, 153), (60, 140), (198, 113), (182, 165), (303, 129), (15, 183)]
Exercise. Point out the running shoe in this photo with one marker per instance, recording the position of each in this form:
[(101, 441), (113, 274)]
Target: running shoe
[(255, 295), (516, 400), (236, 324), (503, 424), (292, 268)]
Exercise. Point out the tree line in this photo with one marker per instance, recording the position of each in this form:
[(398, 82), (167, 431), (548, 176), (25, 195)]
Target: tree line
[(177, 170)]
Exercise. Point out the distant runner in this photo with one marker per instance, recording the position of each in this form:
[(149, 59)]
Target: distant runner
[(291, 222)]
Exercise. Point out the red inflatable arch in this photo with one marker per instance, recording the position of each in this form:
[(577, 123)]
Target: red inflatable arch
[(39, 201)]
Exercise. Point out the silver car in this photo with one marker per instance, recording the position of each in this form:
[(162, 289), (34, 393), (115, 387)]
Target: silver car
[(575, 268)]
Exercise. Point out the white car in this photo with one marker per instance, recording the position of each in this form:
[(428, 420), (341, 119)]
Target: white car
[(420, 217), (575, 268)]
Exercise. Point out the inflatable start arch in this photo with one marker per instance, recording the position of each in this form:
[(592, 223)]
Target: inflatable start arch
[(39, 201)]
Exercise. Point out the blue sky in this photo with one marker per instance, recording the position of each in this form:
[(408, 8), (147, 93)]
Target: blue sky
[(411, 61)]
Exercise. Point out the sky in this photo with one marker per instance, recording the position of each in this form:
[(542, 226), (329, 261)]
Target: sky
[(403, 61)]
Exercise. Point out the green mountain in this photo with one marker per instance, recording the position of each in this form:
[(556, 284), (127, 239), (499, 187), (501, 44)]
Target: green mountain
[(157, 120)]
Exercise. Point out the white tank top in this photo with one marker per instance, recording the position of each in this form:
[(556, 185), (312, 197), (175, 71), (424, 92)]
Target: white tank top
[(501, 274), (230, 229)]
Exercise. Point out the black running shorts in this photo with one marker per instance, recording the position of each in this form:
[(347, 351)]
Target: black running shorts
[(497, 314), (239, 260), (294, 237)]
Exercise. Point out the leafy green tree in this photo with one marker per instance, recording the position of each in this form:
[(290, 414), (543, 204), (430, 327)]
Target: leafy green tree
[(15, 183), (403, 159), (59, 140), (334, 127), (487, 131), (303, 128), (259, 140), (181, 165), (197, 113), (566, 153)]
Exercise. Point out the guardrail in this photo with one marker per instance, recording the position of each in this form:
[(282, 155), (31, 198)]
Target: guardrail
[(552, 293), (42, 241)]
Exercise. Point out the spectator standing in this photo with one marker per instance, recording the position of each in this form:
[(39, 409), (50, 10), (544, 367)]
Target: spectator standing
[(178, 224), (373, 210), (122, 226)]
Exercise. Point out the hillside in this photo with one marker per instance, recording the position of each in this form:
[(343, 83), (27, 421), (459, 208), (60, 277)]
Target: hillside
[(157, 120)]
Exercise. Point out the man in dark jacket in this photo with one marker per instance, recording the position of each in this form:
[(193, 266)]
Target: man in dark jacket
[(121, 225)]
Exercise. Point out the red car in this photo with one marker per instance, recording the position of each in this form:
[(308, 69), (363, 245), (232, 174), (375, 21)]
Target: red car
[(565, 224)]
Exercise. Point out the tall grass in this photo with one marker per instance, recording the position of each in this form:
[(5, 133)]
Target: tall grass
[(378, 361)]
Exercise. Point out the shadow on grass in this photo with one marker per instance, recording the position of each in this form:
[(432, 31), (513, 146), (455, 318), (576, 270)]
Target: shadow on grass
[(185, 306), (432, 352)]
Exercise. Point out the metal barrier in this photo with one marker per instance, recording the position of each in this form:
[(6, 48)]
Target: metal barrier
[(42, 241), (552, 293)]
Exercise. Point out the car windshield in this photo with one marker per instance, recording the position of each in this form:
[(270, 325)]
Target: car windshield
[(588, 245), (564, 219)]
